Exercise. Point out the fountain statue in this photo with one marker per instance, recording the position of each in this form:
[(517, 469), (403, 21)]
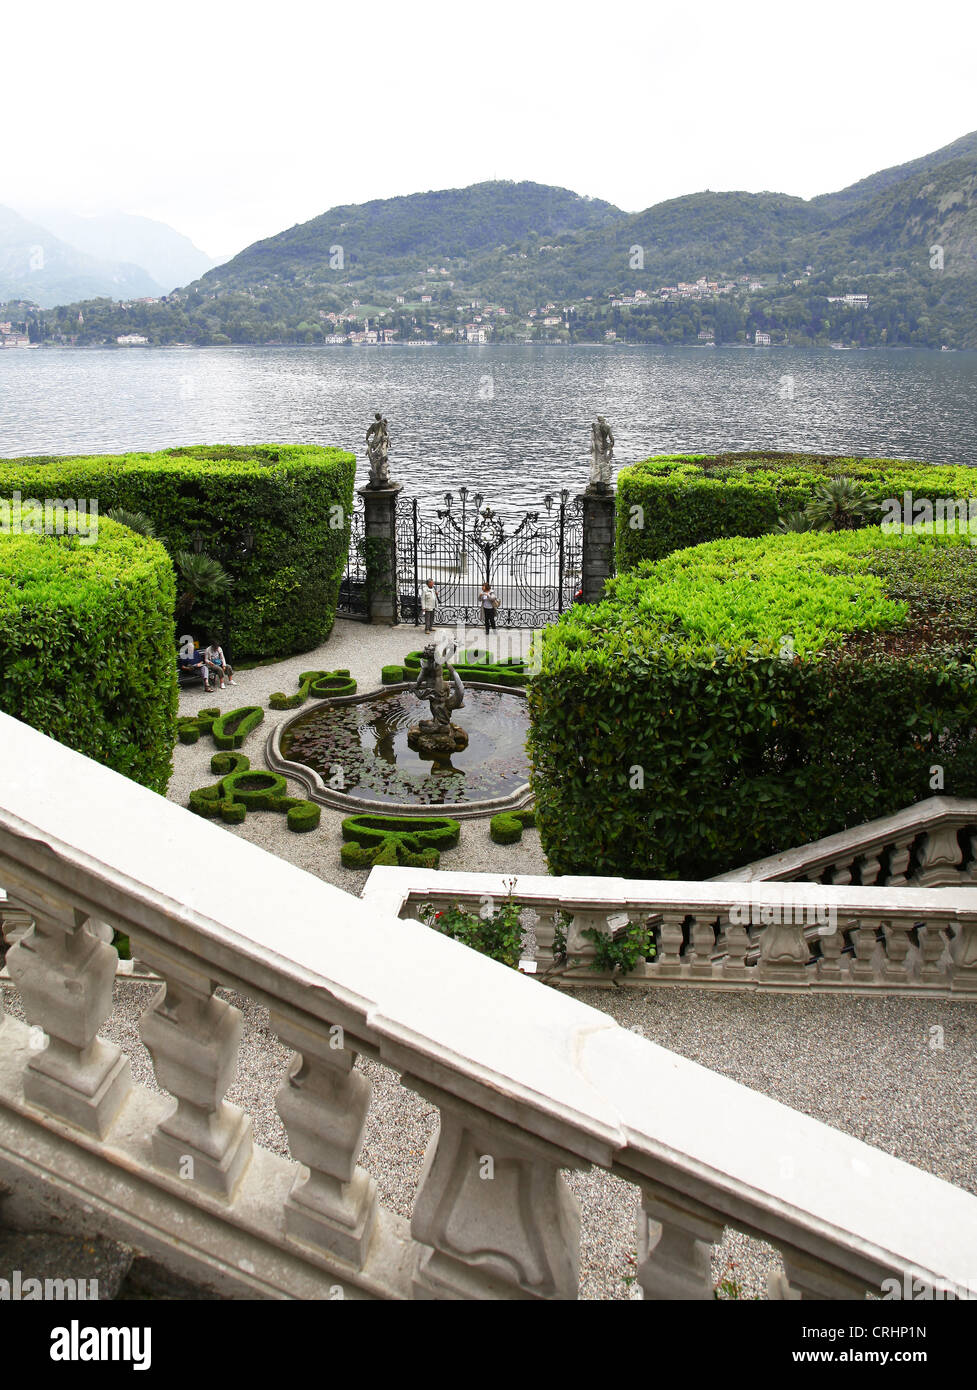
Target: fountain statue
[(438, 736), (601, 455), (378, 448)]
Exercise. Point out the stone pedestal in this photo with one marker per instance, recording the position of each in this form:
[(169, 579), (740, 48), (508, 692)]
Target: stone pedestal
[(598, 541), (380, 535), (436, 741)]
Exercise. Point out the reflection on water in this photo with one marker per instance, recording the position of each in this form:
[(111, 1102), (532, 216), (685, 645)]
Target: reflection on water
[(529, 436), (362, 749)]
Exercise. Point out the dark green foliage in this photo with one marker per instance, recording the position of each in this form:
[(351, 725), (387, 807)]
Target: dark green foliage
[(752, 695), (241, 790), (670, 503), (497, 934), (87, 642), (507, 827), (412, 841), (232, 728), (321, 685), (295, 499)]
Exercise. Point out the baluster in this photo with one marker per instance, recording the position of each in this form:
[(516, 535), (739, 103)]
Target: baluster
[(674, 1249), (900, 854), (866, 968), (702, 938), (65, 974), (193, 1038), (784, 952), (868, 868), (940, 858), (672, 938), (898, 945), (493, 1214), (807, 1277), (841, 874), (833, 965), (933, 952), (580, 949), (970, 866), (324, 1104), (545, 931), (736, 943), (963, 952)]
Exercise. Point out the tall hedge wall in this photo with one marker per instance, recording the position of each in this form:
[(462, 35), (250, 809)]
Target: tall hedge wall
[(87, 646), (666, 504), (285, 592), (747, 696)]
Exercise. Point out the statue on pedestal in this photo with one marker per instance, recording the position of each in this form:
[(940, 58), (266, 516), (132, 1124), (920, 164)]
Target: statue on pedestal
[(437, 736), (601, 455), (378, 448)]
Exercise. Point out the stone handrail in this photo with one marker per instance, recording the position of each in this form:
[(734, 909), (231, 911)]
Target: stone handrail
[(931, 844), (524, 1076), (727, 934)]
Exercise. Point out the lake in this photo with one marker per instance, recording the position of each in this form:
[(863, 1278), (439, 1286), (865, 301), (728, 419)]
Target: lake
[(511, 422)]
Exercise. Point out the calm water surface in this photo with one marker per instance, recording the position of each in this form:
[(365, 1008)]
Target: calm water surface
[(511, 422)]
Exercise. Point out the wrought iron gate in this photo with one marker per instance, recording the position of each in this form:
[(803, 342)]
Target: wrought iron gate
[(533, 565), (352, 588)]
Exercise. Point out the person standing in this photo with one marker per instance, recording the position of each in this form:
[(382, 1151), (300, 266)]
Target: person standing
[(489, 605), (429, 599)]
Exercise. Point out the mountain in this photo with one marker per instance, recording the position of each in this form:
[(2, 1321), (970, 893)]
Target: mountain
[(170, 258), (35, 265), (890, 260)]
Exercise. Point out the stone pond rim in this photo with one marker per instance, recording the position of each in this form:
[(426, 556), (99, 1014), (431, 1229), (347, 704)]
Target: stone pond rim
[(316, 789)]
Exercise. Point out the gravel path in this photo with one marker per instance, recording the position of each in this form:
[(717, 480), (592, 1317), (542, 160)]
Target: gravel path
[(898, 1073), (363, 650)]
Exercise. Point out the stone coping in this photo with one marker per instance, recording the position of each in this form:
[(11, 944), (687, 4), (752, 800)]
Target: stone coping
[(317, 790)]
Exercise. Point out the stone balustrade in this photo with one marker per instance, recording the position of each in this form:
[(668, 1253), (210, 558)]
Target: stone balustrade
[(726, 934), (528, 1081)]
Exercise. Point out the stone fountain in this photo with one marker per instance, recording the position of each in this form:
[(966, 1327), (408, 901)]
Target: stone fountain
[(438, 737)]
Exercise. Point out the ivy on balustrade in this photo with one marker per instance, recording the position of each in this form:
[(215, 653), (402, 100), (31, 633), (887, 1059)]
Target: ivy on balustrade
[(241, 790)]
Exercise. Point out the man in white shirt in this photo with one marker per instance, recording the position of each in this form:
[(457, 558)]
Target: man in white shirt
[(429, 598)]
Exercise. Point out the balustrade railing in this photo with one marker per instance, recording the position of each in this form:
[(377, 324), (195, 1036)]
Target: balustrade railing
[(523, 1076), (747, 934)]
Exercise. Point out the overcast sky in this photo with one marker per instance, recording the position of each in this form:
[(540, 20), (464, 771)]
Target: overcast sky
[(234, 121)]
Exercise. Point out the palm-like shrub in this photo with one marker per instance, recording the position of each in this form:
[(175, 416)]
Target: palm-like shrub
[(840, 505), (201, 577), (794, 521), (136, 521)]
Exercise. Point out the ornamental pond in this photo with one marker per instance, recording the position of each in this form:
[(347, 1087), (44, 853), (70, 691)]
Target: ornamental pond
[(360, 748)]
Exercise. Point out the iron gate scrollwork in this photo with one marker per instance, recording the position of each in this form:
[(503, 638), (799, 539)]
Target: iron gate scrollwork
[(352, 588), (533, 565)]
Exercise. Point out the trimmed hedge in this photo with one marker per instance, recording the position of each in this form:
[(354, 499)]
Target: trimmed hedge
[(392, 675), (687, 499), (415, 842), (189, 727), (506, 828), (242, 789), (471, 665), (285, 591), (748, 696), (87, 642), (232, 728), (320, 684)]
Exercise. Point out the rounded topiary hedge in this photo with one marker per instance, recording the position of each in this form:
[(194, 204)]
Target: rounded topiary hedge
[(296, 500), (472, 664), (748, 696), (415, 841), (87, 644), (682, 500)]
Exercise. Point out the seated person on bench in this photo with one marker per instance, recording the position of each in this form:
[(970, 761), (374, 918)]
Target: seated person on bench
[(218, 664), (195, 665)]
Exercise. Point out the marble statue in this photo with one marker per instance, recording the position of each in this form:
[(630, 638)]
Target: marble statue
[(601, 454), (378, 448)]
